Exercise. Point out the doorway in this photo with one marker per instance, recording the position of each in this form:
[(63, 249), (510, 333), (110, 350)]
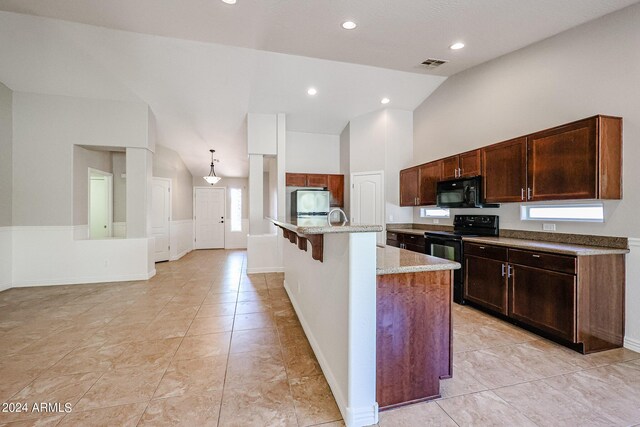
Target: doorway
[(367, 200), (161, 217), (210, 208), (100, 204)]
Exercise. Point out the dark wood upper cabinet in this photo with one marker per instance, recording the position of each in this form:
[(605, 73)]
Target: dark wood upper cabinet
[(504, 171), (580, 160), (461, 165), (296, 179), (450, 167), (333, 183), (429, 174), (470, 163), (336, 188), (317, 180), (409, 184)]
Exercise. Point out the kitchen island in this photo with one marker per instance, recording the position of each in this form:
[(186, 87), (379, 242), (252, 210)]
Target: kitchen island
[(365, 310)]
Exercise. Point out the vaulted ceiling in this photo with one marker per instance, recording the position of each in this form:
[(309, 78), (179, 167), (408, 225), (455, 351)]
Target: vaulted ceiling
[(202, 65)]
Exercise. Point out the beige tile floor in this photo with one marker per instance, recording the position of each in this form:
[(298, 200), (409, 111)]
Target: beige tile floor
[(204, 344)]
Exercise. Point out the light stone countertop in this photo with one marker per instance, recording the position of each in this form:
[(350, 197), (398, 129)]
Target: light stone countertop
[(392, 260), (551, 247), (320, 226)]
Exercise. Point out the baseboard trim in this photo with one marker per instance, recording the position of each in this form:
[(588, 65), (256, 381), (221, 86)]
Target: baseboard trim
[(632, 344), (180, 255), (5, 286), (265, 270), (83, 280)]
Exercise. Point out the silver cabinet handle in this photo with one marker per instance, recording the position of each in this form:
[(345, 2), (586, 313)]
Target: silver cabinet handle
[(509, 271), (536, 256), (459, 172), (528, 193), (482, 247), (522, 194), (503, 272)]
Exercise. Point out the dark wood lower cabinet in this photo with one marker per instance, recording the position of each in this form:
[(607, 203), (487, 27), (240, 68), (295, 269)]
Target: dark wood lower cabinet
[(486, 283), (544, 299), (414, 341), (575, 300)]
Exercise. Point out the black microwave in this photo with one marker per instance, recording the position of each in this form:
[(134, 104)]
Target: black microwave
[(461, 193)]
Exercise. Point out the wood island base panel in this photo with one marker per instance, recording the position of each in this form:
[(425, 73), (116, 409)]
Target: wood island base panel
[(414, 336)]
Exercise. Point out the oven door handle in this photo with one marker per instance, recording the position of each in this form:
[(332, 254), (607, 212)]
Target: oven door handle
[(437, 240)]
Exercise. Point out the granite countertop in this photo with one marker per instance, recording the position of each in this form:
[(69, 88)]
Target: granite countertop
[(320, 226), (392, 260), (552, 247), (415, 231)]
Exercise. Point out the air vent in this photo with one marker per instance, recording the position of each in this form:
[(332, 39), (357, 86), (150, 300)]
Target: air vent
[(431, 63)]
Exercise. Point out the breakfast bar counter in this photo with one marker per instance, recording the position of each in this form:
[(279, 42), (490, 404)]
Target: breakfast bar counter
[(378, 318)]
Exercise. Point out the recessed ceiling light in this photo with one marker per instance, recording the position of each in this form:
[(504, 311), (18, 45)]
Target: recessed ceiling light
[(229, 1), (312, 91), (349, 25), (456, 46), (385, 101)]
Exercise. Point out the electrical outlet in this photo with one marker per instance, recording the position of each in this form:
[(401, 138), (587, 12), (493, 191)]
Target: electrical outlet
[(549, 227), (436, 221), (390, 218)]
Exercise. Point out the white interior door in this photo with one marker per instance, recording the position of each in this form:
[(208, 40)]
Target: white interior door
[(367, 200), (100, 205), (209, 218), (161, 217)]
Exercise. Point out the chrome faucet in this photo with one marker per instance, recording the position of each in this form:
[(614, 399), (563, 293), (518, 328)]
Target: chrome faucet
[(344, 215)]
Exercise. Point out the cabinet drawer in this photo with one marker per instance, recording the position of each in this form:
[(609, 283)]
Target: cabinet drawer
[(560, 263), (392, 236), (413, 239), (486, 251), (393, 243)]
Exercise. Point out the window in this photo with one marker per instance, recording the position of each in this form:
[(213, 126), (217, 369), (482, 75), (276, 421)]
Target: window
[(592, 212), (235, 194), (434, 213)]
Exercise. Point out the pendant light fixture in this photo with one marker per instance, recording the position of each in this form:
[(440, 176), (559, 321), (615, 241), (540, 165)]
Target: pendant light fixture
[(212, 178)]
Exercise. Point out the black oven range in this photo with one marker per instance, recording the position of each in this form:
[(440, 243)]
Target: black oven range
[(448, 244)]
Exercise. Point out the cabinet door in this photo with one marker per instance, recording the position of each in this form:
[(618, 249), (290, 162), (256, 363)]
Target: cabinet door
[(450, 167), (296, 180), (544, 299), (504, 171), (562, 162), (336, 188), (429, 177), (470, 164), (486, 283), (409, 187), (317, 180)]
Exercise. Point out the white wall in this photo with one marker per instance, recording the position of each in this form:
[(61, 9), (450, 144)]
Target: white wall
[(6, 179), (313, 153), (119, 164), (345, 165), (588, 70), (168, 164), (46, 129), (383, 140), (6, 155)]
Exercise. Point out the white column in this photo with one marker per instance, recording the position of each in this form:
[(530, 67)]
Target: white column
[(139, 175), (256, 202)]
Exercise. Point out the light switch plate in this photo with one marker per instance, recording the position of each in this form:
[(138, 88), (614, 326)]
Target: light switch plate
[(549, 227), (436, 221)]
